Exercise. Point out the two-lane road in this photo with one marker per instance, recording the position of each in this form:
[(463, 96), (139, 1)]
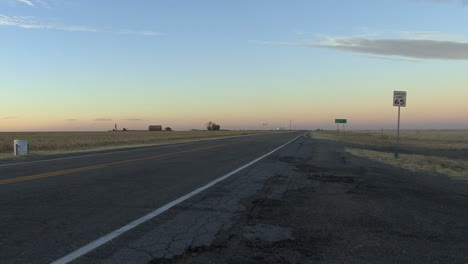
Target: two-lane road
[(52, 207)]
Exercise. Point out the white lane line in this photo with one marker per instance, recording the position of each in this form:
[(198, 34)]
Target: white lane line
[(103, 240), (130, 150)]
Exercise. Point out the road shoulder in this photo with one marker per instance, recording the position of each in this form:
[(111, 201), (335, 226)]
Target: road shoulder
[(309, 203)]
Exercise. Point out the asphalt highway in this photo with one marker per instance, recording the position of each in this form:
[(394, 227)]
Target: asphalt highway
[(50, 208)]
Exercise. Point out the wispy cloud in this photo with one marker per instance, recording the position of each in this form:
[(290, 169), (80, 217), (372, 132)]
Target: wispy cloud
[(44, 3), (390, 45), (71, 120), (9, 117), (103, 119), (28, 22), (25, 2), (33, 3), (411, 48), (431, 35), (389, 59)]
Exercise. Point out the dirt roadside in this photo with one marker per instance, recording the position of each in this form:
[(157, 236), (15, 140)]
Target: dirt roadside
[(332, 207)]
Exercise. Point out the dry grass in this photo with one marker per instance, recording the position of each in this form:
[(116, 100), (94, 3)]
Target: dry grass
[(46, 143), (422, 139), (419, 163), (435, 139)]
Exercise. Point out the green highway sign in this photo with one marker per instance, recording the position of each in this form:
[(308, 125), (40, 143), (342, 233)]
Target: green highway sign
[(341, 121)]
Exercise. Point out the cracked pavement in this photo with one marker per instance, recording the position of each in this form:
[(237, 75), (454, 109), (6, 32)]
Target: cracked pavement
[(196, 223), (313, 203)]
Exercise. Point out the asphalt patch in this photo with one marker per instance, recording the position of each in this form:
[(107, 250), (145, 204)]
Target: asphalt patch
[(331, 207)]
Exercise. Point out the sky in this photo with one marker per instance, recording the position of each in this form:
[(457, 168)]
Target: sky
[(68, 65)]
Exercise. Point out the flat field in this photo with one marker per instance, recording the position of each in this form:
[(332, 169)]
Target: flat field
[(434, 139), (47, 143), (429, 151)]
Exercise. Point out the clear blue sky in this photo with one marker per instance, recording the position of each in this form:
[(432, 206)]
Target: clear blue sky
[(85, 65)]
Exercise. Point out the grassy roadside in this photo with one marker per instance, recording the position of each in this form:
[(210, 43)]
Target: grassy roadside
[(51, 143), (435, 139), (418, 163), (427, 139)]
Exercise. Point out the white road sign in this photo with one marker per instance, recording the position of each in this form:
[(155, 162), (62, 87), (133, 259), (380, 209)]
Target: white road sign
[(399, 98)]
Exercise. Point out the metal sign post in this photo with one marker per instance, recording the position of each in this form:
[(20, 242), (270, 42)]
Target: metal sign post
[(399, 99), (340, 121), (398, 135)]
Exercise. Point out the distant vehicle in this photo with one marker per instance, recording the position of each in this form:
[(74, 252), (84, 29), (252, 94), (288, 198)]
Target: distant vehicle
[(155, 128), (168, 129)]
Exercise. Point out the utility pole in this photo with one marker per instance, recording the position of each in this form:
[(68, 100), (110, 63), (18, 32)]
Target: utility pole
[(290, 127)]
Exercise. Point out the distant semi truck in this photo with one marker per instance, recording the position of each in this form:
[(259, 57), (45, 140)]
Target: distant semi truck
[(155, 128)]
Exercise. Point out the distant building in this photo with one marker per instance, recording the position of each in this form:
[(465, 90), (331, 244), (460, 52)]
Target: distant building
[(155, 128)]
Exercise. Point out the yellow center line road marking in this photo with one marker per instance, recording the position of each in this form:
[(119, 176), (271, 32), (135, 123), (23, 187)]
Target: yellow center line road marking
[(63, 172)]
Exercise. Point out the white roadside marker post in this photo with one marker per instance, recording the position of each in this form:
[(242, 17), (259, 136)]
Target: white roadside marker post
[(21, 147)]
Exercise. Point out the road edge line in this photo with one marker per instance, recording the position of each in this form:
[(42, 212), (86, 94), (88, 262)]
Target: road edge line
[(116, 233)]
